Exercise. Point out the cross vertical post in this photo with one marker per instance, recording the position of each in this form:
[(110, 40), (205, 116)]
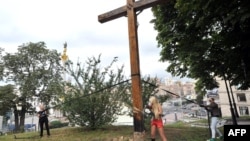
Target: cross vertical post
[(130, 10), (135, 71)]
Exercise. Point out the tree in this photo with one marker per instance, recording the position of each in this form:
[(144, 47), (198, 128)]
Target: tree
[(36, 73), (7, 96), (94, 97), (9, 101), (1, 62), (205, 39)]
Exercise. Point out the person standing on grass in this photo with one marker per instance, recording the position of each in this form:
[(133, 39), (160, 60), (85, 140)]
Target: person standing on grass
[(43, 119), (156, 121), (213, 108)]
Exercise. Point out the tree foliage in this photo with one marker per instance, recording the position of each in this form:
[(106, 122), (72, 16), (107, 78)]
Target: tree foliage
[(1, 63), (7, 98), (36, 73), (97, 95), (8, 101), (94, 97), (205, 39)]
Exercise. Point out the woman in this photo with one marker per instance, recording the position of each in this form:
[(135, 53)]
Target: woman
[(156, 121), (43, 119)]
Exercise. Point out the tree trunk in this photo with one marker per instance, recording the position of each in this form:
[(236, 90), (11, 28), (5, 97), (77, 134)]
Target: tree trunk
[(16, 120), (22, 118)]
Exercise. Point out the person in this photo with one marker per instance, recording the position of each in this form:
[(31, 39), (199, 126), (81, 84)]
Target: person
[(43, 119), (213, 108), (156, 121)]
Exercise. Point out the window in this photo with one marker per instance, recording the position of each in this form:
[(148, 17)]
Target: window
[(241, 97), (244, 110)]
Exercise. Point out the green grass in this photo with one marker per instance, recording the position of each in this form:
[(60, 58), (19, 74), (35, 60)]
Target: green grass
[(174, 132)]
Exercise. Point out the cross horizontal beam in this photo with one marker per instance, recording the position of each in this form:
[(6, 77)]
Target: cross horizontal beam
[(122, 11)]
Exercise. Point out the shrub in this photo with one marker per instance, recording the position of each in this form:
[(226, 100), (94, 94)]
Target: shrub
[(57, 124)]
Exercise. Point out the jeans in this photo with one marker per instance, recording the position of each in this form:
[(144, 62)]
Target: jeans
[(214, 129)]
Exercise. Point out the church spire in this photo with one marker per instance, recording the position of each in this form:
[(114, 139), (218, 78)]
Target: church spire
[(64, 56)]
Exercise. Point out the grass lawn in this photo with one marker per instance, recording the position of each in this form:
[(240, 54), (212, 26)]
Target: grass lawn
[(174, 132)]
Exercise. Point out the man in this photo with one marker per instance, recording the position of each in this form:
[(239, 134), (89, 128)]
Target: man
[(213, 108), (43, 119)]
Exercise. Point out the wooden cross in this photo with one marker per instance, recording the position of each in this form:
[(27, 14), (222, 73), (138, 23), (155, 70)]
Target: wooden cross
[(130, 10)]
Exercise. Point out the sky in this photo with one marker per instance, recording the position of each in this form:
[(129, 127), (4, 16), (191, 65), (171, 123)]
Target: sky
[(76, 22)]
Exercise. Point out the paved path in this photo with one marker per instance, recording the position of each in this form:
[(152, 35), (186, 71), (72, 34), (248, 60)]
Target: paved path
[(171, 118), (239, 122)]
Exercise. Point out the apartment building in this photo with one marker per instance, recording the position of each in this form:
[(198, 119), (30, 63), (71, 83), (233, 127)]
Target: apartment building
[(241, 98), (184, 89)]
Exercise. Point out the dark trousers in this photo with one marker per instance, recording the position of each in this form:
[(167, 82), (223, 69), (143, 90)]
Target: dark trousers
[(42, 121)]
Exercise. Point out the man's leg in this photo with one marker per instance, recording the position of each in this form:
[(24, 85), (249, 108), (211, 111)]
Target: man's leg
[(213, 126), (41, 128), (217, 130), (47, 127)]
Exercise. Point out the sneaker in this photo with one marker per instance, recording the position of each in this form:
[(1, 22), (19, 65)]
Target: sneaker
[(220, 137)]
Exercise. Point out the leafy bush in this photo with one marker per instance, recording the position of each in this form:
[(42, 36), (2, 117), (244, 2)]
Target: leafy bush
[(58, 124)]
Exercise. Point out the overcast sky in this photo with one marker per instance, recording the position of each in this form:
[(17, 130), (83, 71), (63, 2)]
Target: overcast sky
[(76, 22)]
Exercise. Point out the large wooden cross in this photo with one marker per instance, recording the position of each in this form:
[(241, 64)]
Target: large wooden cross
[(130, 10)]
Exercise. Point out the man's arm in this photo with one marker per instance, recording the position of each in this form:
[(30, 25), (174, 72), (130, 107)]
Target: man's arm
[(209, 107)]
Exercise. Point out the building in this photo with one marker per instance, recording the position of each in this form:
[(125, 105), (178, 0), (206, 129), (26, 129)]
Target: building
[(241, 98), (183, 89)]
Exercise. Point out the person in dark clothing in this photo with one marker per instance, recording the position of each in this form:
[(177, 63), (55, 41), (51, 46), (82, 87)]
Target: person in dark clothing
[(43, 119), (213, 108)]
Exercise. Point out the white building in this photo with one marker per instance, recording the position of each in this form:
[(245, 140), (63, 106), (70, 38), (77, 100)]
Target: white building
[(241, 99)]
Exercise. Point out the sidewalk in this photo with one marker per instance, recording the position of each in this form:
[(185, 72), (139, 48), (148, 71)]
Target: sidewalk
[(239, 121), (174, 117), (171, 118)]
